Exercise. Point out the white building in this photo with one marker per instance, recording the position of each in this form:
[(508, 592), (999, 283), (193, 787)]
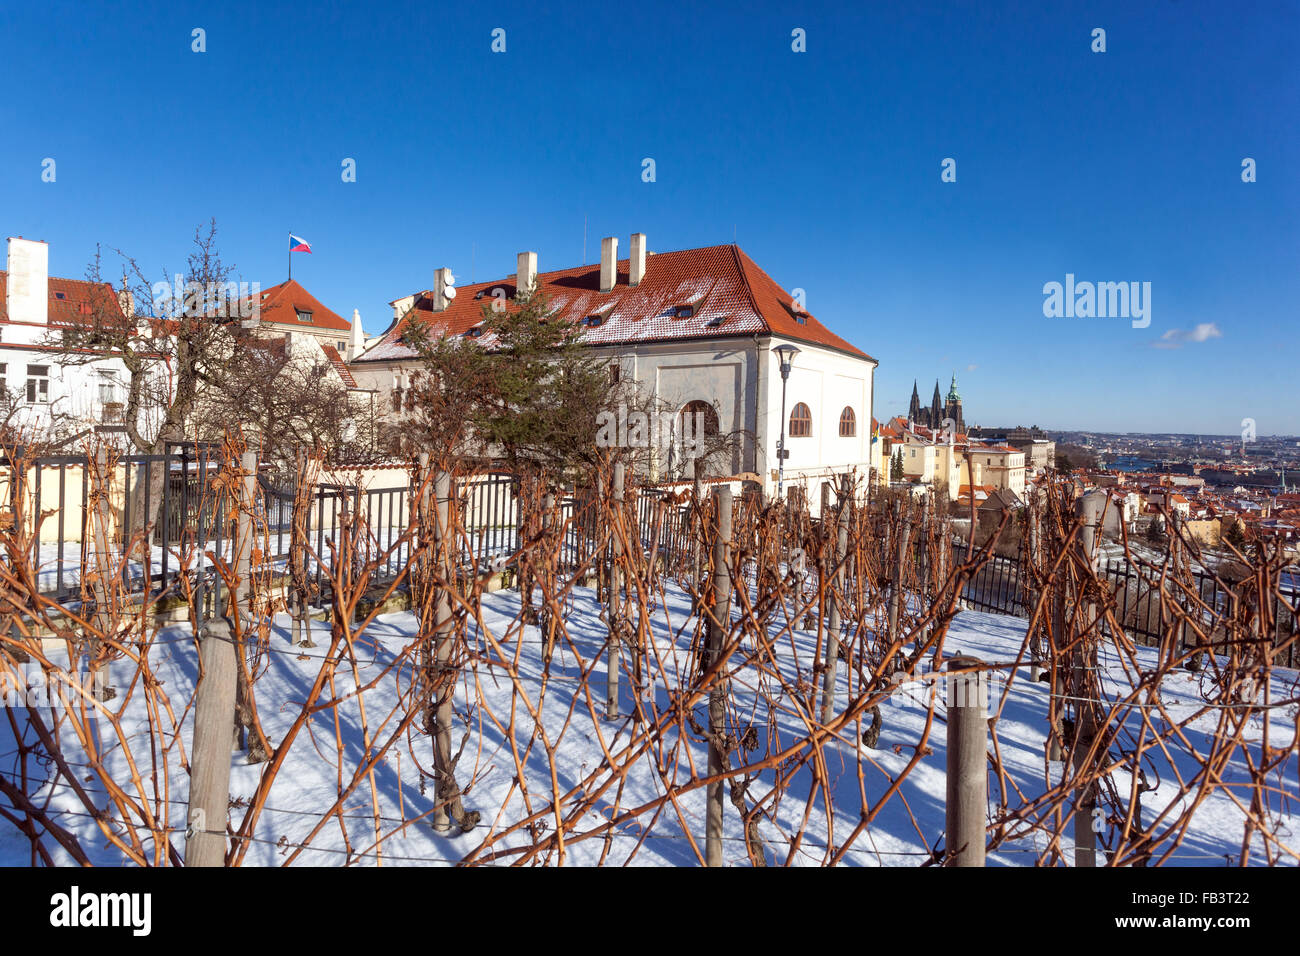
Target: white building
[(45, 394), (1001, 466), (50, 394), (696, 325)]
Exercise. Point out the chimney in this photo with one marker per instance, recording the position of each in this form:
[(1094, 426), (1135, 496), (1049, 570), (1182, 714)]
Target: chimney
[(356, 338), (443, 289), (27, 296), (526, 273), (608, 263), (636, 260)]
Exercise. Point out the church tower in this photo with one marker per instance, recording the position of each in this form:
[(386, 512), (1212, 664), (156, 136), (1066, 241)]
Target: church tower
[(936, 409), (914, 410), (952, 407)]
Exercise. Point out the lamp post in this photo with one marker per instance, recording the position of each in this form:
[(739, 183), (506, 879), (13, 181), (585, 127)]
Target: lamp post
[(785, 355)]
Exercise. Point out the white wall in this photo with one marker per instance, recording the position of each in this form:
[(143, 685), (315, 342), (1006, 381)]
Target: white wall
[(77, 392), (741, 379), (826, 381)]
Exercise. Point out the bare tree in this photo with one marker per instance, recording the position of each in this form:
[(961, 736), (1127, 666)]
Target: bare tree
[(173, 337), (288, 402)]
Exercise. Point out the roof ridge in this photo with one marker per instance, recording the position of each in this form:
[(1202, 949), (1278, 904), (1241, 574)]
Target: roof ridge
[(749, 289)]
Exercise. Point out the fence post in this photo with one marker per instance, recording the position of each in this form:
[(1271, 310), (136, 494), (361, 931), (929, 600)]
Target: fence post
[(446, 790), (17, 497), (613, 608), (697, 543), (924, 572), (836, 597), (105, 566), (967, 787), (1089, 509), (205, 843), (239, 601), (1035, 640), (718, 625), (904, 526), (551, 548), (299, 539)]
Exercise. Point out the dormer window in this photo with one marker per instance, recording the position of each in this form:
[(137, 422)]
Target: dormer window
[(474, 333), (304, 315), (683, 312), (592, 321), (60, 296)]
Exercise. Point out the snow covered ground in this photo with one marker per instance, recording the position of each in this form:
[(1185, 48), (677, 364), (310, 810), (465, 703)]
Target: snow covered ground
[(904, 833)]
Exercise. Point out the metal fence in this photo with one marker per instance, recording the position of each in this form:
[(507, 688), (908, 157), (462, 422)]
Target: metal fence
[(1001, 587), (173, 493)]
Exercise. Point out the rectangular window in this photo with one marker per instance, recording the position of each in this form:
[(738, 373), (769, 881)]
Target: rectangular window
[(105, 388), (38, 384), (303, 316), (614, 372), (4, 376), (342, 347)]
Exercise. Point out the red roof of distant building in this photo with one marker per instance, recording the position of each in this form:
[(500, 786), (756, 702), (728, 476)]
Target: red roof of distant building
[(281, 304), (71, 301), (722, 292), (340, 366)]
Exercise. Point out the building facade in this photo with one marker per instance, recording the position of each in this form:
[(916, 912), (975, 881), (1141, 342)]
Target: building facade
[(49, 394), (691, 326)]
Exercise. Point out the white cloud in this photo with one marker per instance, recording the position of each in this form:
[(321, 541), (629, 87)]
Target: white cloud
[(971, 367), (1176, 338)]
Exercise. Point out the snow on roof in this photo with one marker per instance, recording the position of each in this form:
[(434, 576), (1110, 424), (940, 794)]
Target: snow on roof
[(726, 292)]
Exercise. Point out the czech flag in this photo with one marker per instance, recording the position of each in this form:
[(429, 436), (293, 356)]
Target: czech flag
[(298, 244)]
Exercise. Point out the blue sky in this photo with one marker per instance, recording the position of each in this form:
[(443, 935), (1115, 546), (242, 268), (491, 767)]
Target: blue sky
[(824, 165)]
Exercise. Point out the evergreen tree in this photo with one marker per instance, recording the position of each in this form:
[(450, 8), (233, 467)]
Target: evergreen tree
[(526, 387)]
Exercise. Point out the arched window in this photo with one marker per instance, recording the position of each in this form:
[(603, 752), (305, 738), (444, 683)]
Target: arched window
[(800, 421), (710, 419), (848, 423)]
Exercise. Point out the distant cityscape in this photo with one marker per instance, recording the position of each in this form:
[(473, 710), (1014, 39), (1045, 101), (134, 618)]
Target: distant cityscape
[(1221, 488)]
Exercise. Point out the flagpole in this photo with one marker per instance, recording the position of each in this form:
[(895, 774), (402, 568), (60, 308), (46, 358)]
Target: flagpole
[(290, 257)]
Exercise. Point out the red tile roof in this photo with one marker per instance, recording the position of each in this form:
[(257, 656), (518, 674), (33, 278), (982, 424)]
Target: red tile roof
[(340, 366), (72, 301), (281, 304), (897, 428), (727, 293)]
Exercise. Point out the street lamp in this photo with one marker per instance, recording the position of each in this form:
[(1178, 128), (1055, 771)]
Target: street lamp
[(785, 355)]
